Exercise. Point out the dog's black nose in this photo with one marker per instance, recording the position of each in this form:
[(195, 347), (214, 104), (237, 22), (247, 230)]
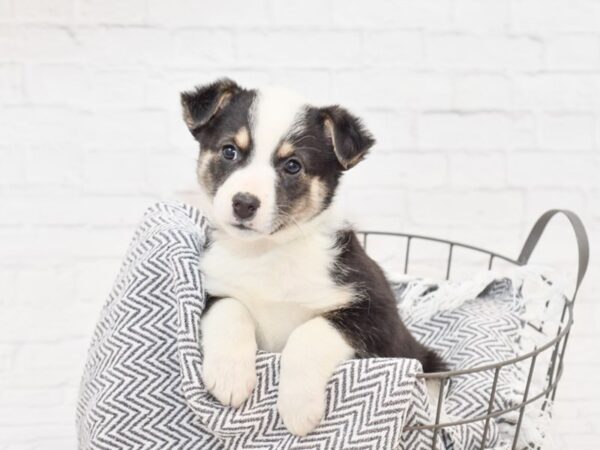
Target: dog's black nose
[(245, 205)]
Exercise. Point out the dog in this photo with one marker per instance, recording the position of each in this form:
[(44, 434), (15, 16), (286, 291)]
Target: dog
[(283, 270)]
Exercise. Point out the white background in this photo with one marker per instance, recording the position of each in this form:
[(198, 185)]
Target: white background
[(486, 113)]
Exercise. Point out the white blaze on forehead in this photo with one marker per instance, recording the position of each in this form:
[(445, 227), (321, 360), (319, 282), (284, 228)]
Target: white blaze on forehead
[(274, 113)]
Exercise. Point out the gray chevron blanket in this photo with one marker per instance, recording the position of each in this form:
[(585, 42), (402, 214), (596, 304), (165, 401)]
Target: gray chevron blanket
[(141, 387)]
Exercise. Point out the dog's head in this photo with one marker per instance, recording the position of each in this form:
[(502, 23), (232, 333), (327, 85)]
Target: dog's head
[(267, 159)]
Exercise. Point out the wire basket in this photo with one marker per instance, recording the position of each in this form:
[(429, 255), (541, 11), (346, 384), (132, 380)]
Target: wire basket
[(555, 345)]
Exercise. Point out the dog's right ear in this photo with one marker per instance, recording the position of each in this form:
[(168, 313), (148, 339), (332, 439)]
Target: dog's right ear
[(205, 102)]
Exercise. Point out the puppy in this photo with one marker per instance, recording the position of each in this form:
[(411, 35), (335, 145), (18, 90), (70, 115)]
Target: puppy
[(283, 271)]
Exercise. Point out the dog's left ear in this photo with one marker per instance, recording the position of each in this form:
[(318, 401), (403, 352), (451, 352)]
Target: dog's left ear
[(205, 102), (349, 137)]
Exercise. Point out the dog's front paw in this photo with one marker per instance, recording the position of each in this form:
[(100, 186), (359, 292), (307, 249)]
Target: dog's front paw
[(230, 378), (229, 367), (301, 404)]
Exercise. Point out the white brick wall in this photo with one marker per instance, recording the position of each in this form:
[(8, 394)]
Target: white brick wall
[(486, 111)]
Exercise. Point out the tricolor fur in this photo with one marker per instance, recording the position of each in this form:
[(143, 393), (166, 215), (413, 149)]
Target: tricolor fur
[(284, 272)]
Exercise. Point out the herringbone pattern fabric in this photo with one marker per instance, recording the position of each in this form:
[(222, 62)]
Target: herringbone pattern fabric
[(479, 332), (142, 389), (131, 394)]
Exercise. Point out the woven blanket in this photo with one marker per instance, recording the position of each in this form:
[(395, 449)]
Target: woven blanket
[(141, 387)]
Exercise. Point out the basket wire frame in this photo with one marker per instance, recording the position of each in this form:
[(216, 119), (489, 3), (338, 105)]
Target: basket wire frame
[(557, 345)]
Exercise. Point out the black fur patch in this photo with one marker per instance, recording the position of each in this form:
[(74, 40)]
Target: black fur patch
[(318, 152), (320, 165), (214, 122), (371, 324)]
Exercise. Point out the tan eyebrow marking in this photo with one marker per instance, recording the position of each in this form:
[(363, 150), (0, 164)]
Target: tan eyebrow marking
[(286, 149), (242, 138)]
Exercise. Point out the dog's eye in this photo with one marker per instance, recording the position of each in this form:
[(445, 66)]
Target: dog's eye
[(229, 152), (292, 166)]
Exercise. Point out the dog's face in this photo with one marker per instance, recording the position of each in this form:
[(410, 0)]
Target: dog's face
[(268, 160)]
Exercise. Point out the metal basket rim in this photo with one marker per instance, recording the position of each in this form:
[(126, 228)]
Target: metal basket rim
[(555, 364)]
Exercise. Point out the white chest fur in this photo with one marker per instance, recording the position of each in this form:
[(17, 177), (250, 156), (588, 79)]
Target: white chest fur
[(282, 284)]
